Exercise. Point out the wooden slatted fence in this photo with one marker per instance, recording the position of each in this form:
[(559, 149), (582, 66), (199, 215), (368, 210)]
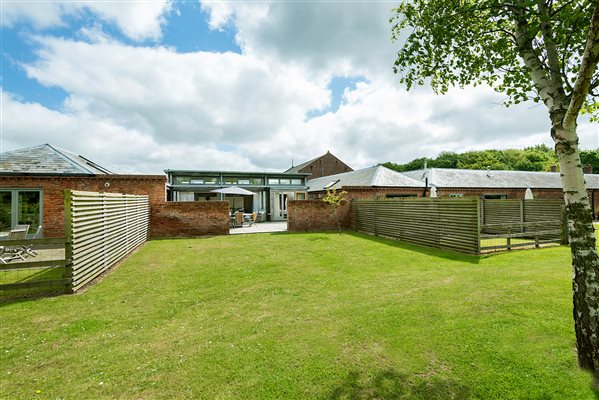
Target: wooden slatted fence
[(445, 223), (102, 228), (508, 224), (467, 224)]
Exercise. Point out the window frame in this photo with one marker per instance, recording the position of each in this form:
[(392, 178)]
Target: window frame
[(14, 206)]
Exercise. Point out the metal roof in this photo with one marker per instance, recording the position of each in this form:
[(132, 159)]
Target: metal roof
[(235, 173), (470, 178), (48, 160), (377, 176)]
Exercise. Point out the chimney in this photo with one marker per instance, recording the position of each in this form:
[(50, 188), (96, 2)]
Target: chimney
[(554, 168), (587, 169)]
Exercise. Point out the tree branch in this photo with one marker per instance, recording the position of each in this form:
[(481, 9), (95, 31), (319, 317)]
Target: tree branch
[(552, 54), (585, 74), (539, 76)]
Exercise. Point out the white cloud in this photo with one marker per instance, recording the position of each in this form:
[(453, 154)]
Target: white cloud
[(150, 108), (136, 19), (125, 149)]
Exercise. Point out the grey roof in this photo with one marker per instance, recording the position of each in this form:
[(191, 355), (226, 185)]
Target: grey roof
[(47, 160), (470, 178), (377, 176)]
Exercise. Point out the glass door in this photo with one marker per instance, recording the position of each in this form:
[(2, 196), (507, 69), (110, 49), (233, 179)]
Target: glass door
[(280, 207)]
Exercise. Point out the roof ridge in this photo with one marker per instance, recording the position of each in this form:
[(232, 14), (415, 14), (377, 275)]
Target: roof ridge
[(69, 159)]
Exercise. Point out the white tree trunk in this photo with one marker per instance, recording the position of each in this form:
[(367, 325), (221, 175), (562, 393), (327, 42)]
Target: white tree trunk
[(585, 259)]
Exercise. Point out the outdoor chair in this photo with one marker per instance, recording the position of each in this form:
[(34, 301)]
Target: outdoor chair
[(238, 220), (29, 249), (21, 228), (13, 252), (253, 218)]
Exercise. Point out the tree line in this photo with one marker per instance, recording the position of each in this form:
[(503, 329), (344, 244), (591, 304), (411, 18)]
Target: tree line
[(535, 158)]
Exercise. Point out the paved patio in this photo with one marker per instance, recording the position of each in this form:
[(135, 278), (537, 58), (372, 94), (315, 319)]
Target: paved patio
[(261, 227)]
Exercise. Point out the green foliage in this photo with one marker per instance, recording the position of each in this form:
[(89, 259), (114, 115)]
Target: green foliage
[(590, 157), (301, 316), (536, 158), (336, 200), (449, 43), (333, 198)]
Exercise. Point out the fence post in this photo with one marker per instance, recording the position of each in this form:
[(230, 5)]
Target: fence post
[(509, 237), (522, 229), (68, 246), (478, 223), (376, 207)]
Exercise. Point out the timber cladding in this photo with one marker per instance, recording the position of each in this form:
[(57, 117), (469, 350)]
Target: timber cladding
[(445, 223), (102, 228)]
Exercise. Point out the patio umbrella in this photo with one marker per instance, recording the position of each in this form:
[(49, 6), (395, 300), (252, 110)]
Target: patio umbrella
[(234, 190), (433, 191), (528, 194)]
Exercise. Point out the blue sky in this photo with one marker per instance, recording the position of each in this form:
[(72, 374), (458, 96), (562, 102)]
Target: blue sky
[(145, 86)]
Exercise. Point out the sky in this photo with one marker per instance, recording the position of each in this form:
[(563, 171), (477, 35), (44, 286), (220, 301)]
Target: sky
[(144, 86)]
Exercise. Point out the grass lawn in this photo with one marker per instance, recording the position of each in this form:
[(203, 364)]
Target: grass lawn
[(300, 316)]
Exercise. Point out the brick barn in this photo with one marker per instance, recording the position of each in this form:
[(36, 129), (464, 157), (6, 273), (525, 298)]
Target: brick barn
[(324, 165), (373, 182), (494, 184), (33, 180)]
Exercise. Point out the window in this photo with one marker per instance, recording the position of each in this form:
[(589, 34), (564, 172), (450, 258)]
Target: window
[(243, 181), (257, 181), (296, 181), (273, 181), (456, 195), (331, 184), (495, 196), (300, 196), (284, 181), (20, 207)]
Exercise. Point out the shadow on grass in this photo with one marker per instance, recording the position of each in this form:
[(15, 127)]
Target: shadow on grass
[(429, 251), (390, 385)]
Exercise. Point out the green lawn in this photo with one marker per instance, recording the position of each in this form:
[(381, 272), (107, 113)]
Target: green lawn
[(301, 316)]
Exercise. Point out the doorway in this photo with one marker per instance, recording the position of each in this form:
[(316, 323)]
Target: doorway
[(280, 206)]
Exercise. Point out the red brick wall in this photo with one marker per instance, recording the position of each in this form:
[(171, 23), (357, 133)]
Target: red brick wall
[(189, 218), (53, 192), (315, 215), (370, 193), (326, 165)]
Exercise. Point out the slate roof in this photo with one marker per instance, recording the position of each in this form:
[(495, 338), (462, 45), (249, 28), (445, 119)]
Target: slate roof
[(48, 160), (377, 176), (470, 178)]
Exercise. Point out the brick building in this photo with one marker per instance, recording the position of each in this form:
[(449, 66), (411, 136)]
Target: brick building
[(33, 180), (381, 182), (324, 165), (373, 182), (493, 184)]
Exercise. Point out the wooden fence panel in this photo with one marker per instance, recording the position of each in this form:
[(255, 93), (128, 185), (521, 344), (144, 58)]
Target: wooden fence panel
[(446, 223), (102, 228)]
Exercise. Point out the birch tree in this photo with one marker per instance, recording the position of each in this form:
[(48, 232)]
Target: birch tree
[(540, 50)]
